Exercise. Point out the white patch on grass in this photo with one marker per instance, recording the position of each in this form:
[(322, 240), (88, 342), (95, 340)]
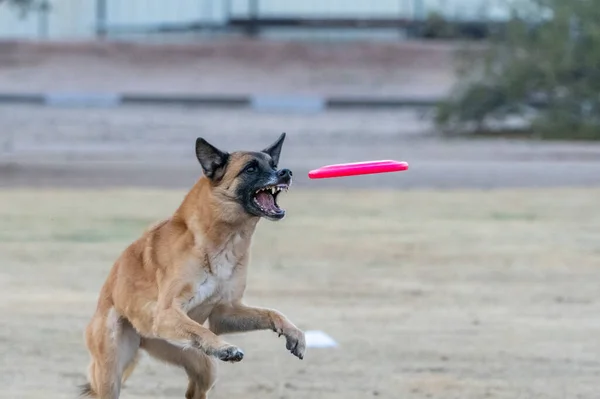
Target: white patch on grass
[(318, 339)]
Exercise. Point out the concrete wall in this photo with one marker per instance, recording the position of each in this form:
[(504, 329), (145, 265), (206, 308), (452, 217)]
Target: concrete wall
[(75, 19)]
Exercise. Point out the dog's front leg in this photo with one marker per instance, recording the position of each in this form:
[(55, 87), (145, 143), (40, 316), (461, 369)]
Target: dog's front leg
[(174, 326), (237, 317)]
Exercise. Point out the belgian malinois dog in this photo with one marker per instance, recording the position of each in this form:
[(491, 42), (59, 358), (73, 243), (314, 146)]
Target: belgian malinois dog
[(189, 269)]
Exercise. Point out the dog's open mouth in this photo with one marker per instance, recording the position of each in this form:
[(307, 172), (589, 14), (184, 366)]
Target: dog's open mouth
[(266, 200)]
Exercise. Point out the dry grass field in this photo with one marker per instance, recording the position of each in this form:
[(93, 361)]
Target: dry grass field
[(430, 294)]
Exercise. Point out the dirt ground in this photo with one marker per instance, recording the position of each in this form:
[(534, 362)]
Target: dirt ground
[(229, 66), (472, 275), (153, 147), (454, 293), (463, 294)]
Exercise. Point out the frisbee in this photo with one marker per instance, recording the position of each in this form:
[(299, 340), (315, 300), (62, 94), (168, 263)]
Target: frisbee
[(357, 168)]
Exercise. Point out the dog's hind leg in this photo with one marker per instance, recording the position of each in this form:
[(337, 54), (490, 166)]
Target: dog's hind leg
[(113, 344), (200, 368)]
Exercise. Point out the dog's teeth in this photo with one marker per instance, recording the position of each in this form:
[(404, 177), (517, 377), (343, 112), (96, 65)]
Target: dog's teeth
[(273, 190)]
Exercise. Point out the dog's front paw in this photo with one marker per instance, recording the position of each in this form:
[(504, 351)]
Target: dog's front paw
[(229, 354), (295, 342)]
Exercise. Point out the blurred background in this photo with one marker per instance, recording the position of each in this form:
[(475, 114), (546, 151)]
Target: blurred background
[(471, 275)]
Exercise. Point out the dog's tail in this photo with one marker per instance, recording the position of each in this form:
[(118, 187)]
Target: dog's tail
[(86, 391)]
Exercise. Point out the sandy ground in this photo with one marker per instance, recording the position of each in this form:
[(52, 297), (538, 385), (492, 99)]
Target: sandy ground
[(464, 294), (422, 69), (153, 147), (453, 293), (430, 294)]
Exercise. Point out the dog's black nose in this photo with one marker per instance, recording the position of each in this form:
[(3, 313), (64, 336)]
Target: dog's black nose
[(284, 173)]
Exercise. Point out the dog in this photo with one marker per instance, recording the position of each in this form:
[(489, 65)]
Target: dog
[(188, 270)]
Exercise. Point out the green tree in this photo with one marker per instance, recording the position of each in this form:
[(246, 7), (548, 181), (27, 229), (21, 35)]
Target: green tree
[(544, 68)]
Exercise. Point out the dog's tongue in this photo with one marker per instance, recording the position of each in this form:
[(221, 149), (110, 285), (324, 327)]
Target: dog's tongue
[(266, 201)]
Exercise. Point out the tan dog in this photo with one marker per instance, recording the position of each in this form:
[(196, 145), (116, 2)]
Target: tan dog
[(189, 269)]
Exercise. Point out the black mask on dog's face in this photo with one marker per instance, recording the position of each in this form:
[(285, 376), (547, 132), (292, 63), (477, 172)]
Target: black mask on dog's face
[(251, 178)]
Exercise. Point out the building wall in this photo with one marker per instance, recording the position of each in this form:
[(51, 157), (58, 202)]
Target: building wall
[(75, 19)]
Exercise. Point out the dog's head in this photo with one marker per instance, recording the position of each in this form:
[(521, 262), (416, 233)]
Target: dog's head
[(246, 180)]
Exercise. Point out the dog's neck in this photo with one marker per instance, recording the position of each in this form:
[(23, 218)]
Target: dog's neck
[(205, 218)]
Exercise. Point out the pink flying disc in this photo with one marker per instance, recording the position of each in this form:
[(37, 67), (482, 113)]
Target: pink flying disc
[(357, 168)]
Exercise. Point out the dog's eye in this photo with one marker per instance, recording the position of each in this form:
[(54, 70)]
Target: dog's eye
[(251, 169)]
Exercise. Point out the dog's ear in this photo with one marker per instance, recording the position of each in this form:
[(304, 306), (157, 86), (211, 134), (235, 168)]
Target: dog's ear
[(275, 149), (211, 159)]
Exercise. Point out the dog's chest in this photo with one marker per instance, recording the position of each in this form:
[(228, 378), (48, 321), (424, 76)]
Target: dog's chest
[(217, 286)]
